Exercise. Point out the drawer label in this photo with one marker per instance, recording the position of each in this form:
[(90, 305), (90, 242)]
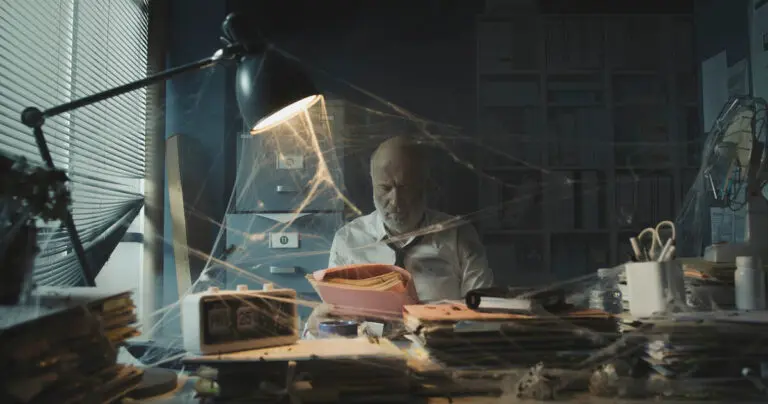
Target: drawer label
[(290, 161), (284, 240)]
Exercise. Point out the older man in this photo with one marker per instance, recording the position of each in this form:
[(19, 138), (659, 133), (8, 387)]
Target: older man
[(443, 254)]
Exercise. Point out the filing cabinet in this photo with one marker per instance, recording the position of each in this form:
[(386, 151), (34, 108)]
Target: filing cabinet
[(274, 250), (277, 170), (272, 178)]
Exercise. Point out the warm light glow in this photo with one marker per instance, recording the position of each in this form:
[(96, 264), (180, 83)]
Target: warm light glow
[(285, 114)]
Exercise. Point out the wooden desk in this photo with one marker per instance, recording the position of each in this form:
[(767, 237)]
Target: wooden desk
[(185, 394)]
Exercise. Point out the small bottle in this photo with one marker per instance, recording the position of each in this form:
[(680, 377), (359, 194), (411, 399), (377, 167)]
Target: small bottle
[(750, 284), (606, 295)]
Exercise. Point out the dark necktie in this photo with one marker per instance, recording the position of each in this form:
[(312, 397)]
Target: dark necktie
[(400, 252)]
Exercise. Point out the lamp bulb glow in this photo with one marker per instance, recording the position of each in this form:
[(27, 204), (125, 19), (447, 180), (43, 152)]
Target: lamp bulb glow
[(284, 114)]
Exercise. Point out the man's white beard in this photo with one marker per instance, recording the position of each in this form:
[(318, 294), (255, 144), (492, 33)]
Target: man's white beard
[(408, 223)]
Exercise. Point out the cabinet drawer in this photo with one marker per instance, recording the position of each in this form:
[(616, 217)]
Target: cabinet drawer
[(271, 250), (279, 175)]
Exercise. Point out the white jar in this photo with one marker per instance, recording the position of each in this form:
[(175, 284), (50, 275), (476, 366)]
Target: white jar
[(750, 284)]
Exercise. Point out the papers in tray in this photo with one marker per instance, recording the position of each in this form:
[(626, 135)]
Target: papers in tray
[(371, 290), (387, 281)]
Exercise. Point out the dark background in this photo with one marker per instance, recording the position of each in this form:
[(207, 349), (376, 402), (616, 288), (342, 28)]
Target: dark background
[(417, 54)]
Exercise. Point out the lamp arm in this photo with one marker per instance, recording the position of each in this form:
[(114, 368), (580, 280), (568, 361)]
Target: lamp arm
[(34, 117)]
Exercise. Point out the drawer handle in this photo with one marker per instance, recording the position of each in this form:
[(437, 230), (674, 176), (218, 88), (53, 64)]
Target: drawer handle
[(286, 189), (282, 270)]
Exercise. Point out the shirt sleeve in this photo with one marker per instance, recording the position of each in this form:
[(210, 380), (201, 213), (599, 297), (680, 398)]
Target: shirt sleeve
[(474, 263), (336, 257)]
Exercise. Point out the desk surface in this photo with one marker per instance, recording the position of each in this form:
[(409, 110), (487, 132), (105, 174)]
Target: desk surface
[(185, 394)]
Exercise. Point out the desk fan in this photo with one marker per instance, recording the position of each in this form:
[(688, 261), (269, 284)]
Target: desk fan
[(734, 174)]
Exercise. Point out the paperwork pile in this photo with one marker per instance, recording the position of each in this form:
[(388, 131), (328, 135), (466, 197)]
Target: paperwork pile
[(329, 370), (62, 347), (458, 337), (707, 346)]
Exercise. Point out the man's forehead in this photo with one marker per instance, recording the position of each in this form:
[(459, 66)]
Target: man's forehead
[(397, 166)]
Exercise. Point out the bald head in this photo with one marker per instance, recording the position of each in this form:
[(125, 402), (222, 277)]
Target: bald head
[(402, 152), (399, 174)]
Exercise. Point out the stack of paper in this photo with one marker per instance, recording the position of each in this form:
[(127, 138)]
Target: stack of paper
[(458, 337), (329, 370), (116, 312), (370, 290), (387, 281), (62, 347), (707, 345)]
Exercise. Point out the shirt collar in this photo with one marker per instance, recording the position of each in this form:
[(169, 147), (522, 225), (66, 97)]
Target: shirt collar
[(381, 233)]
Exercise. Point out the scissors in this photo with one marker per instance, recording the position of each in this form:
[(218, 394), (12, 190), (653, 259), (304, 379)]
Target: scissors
[(649, 245)]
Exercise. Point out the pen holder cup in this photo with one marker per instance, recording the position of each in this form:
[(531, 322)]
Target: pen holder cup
[(655, 287)]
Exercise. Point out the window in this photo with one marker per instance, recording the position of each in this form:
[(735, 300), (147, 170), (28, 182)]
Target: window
[(55, 51)]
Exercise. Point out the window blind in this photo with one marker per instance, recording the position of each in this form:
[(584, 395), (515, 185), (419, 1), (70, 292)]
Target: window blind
[(55, 51)]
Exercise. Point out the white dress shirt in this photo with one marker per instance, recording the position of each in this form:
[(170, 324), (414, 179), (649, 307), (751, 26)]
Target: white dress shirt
[(446, 261)]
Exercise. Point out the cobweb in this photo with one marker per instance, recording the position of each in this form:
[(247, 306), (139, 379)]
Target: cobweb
[(308, 176)]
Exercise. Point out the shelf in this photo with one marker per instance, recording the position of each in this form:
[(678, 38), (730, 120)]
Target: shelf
[(507, 46), (644, 169), (574, 42), (545, 168), (579, 137), (624, 72), (645, 200), (600, 101), (574, 200), (569, 72), (515, 199), (577, 255), (491, 169), (575, 104), (510, 73), (545, 232), (511, 255), (502, 232)]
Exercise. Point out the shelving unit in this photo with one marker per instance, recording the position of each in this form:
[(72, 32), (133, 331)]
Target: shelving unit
[(590, 125)]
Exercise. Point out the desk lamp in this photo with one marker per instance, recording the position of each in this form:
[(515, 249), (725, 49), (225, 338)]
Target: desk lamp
[(270, 88)]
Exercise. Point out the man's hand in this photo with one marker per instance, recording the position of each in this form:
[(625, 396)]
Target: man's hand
[(321, 312)]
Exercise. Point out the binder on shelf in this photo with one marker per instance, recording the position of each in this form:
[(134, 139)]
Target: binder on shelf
[(590, 200)]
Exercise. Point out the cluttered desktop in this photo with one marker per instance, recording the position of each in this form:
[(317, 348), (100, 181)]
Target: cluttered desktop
[(344, 264)]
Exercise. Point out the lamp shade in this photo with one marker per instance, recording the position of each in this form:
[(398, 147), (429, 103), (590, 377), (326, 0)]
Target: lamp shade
[(271, 88)]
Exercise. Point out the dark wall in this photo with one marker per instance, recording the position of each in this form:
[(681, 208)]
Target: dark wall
[(195, 109), (722, 25), (420, 57)]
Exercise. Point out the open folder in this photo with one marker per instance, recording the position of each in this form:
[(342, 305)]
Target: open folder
[(373, 290)]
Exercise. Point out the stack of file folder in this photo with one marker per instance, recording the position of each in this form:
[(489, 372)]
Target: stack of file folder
[(458, 337), (62, 347), (701, 351), (369, 290)]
